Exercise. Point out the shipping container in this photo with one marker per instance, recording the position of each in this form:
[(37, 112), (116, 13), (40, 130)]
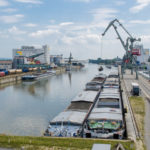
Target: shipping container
[(2, 74), (25, 70), (136, 51), (6, 72)]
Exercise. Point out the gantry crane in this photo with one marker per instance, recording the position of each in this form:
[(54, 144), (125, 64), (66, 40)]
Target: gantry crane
[(128, 45)]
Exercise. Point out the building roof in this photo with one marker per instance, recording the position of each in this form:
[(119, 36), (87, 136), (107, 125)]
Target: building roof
[(5, 59)]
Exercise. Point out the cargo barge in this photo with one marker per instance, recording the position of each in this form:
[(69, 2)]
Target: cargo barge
[(97, 112), (106, 118), (69, 122)]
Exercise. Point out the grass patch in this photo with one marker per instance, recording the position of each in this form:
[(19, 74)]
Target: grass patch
[(138, 107), (49, 143)]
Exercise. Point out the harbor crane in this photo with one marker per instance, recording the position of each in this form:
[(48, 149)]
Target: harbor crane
[(128, 46), (70, 59)]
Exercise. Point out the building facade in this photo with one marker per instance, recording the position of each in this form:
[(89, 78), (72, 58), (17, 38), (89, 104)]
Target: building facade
[(56, 59), (28, 55), (144, 55), (5, 64)]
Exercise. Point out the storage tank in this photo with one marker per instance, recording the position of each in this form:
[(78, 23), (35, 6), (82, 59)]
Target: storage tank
[(34, 69), (18, 70), (2, 74), (30, 69), (12, 71)]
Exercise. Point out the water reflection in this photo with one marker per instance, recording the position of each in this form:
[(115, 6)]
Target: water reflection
[(69, 76)]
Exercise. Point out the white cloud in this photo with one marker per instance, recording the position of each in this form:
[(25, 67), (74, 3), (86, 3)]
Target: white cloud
[(30, 1), (42, 33), (52, 21), (102, 14), (11, 18), (4, 3), (145, 37), (85, 1), (16, 31), (140, 22), (30, 25), (9, 10), (119, 3), (141, 4), (66, 23)]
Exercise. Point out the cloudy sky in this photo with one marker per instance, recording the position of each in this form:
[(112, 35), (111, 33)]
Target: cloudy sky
[(72, 25)]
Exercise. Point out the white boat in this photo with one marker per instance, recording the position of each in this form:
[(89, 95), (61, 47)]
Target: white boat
[(37, 76)]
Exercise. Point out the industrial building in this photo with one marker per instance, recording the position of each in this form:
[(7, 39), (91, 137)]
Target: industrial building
[(56, 59), (5, 63), (31, 56), (143, 56)]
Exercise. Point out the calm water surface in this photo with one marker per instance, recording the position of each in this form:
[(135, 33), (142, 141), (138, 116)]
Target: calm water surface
[(26, 108)]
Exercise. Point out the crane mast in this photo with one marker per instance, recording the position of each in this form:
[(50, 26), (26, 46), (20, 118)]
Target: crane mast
[(128, 46)]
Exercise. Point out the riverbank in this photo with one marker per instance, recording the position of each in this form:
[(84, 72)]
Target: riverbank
[(17, 77), (32, 143)]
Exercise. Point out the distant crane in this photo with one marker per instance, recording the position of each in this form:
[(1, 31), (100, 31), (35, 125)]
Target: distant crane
[(70, 59), (128, 45)]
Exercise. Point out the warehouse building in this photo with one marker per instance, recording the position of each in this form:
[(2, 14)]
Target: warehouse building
[(27, 55), (5, 63)]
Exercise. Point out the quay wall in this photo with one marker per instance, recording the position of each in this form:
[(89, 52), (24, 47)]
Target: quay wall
[(18, 76), (11, 78), (60, 70)]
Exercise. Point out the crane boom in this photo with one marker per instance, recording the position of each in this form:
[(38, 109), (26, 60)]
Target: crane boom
[(119, 37), (127, 46)]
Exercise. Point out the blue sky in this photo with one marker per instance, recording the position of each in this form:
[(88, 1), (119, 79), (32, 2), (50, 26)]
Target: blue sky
[(72, 25)]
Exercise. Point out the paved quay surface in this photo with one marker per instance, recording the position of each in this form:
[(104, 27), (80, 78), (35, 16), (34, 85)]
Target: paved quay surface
[(145, 93), (130, 122)]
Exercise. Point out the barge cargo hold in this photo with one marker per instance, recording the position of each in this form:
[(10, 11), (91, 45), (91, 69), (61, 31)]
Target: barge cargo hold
[(96, 83)]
